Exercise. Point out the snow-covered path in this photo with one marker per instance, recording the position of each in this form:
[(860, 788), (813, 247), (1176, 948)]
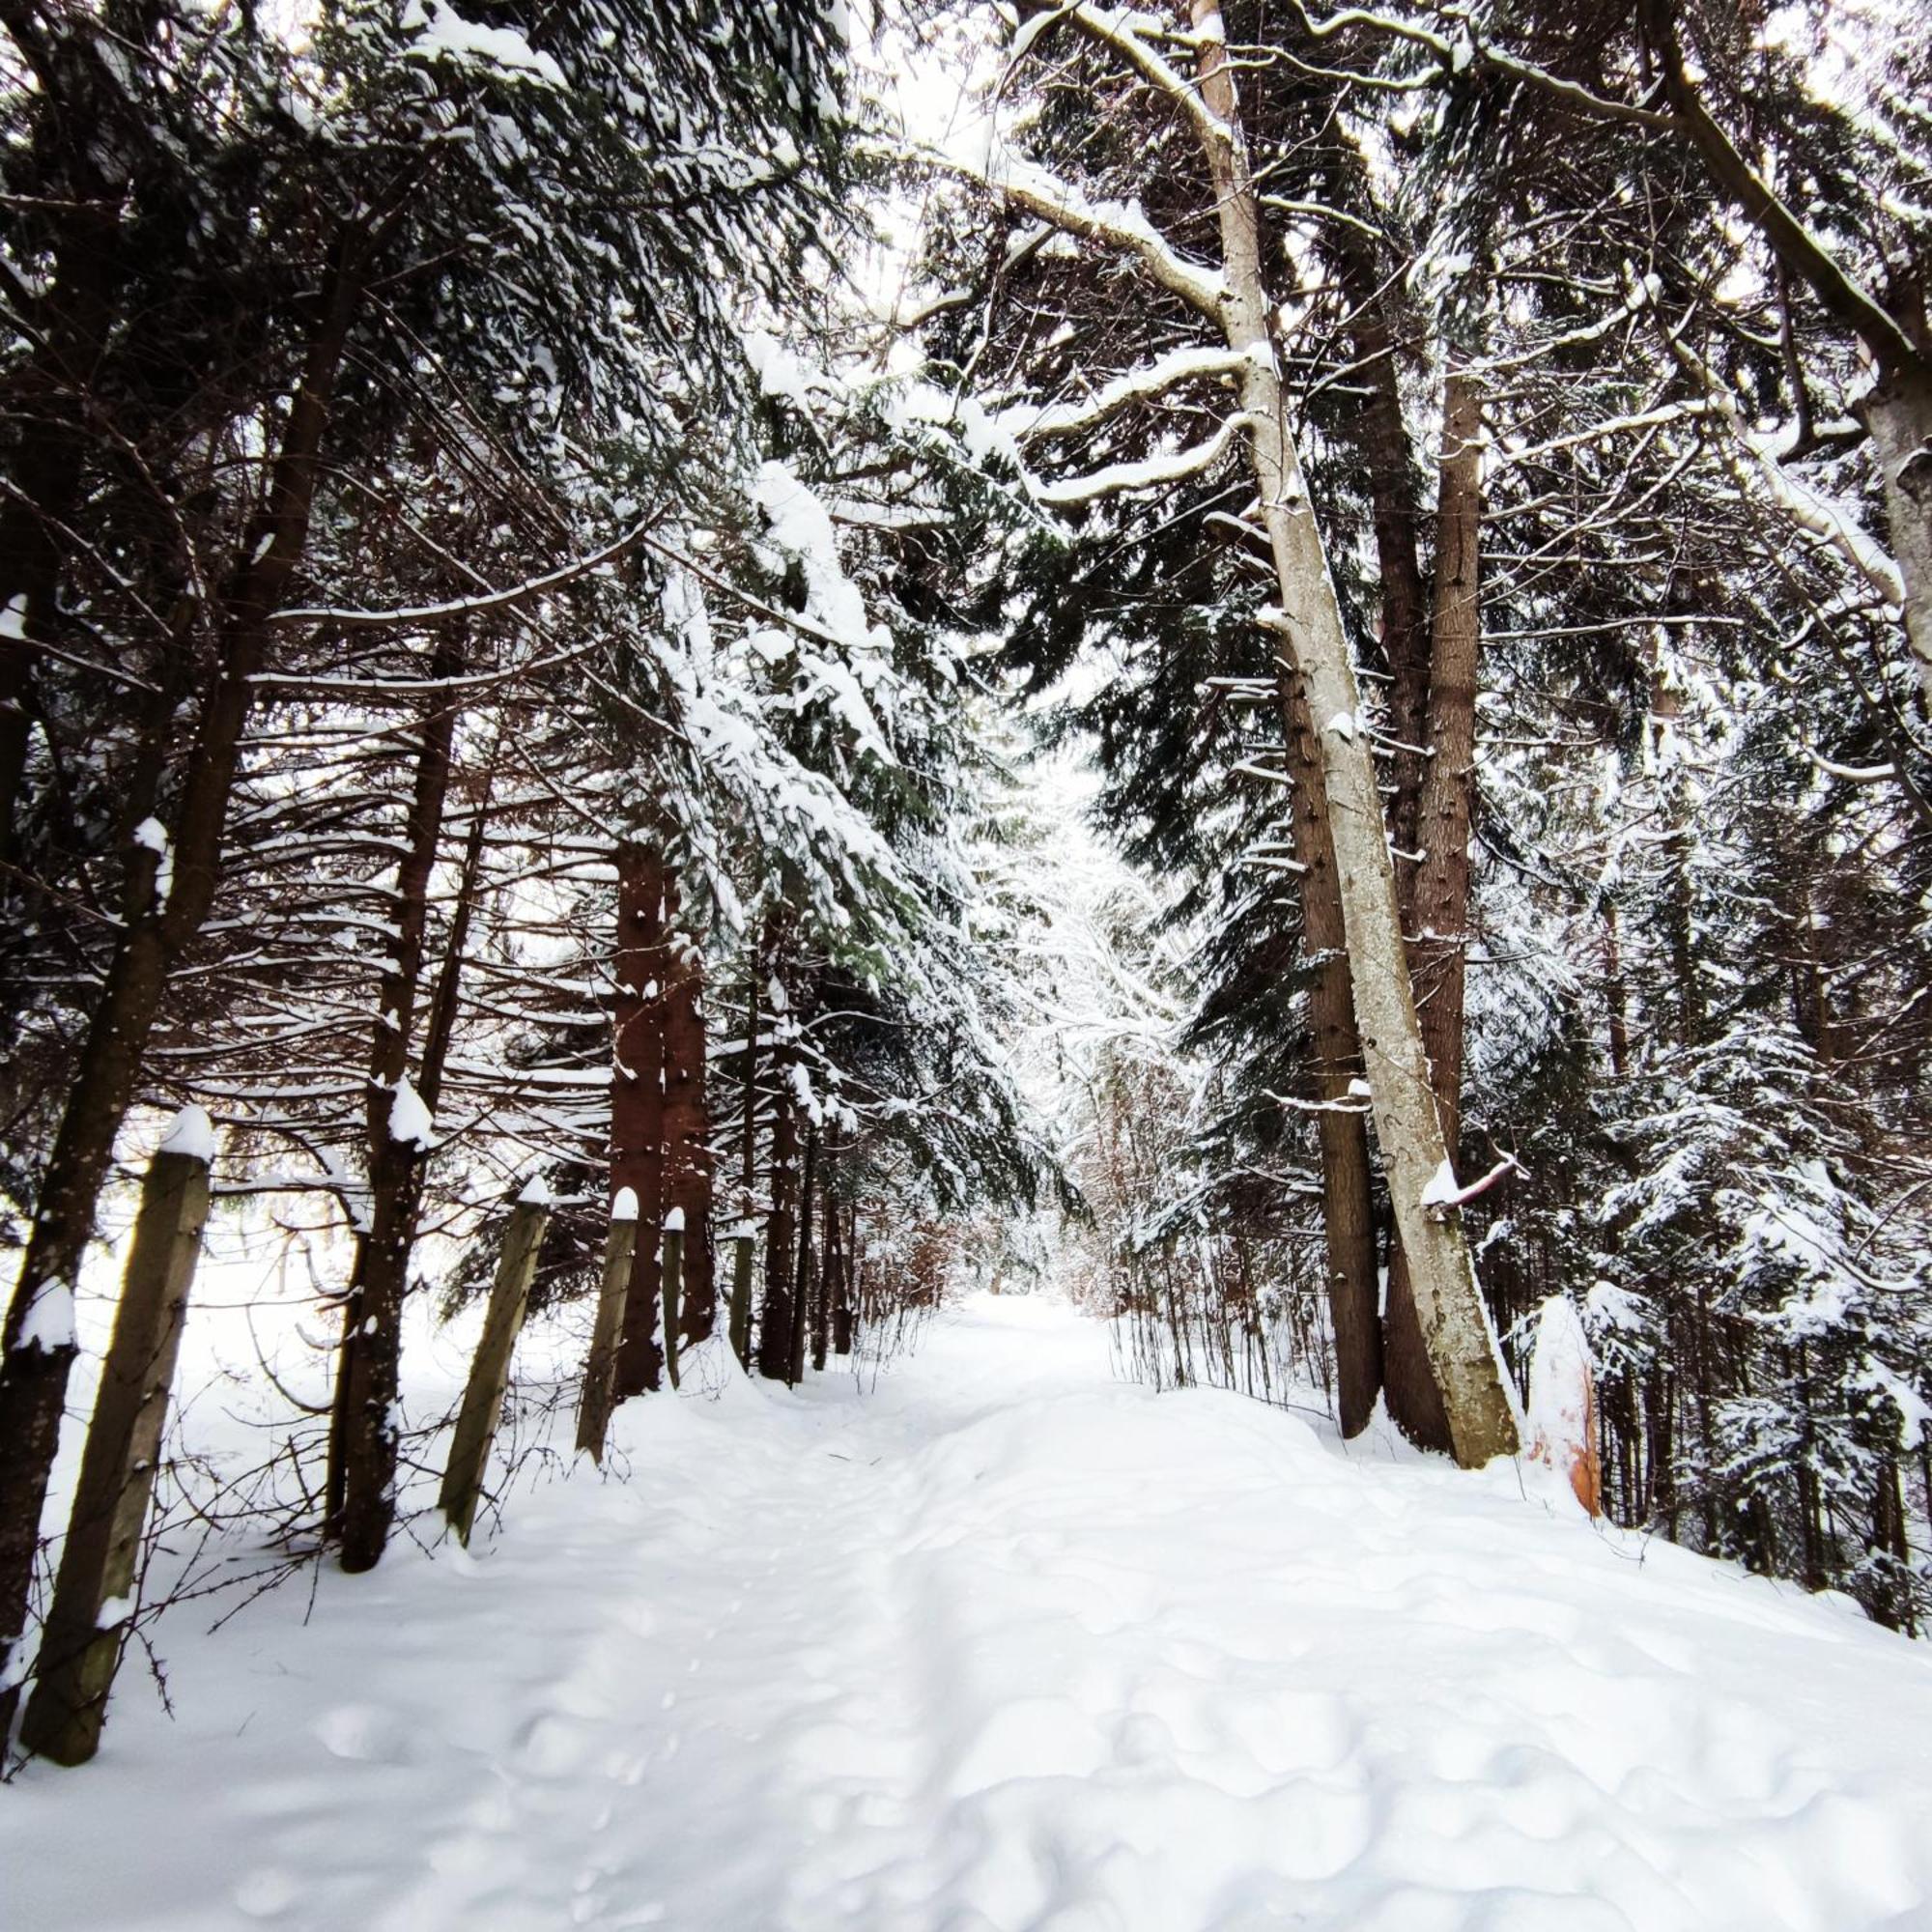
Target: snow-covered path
[(1006, 1644)]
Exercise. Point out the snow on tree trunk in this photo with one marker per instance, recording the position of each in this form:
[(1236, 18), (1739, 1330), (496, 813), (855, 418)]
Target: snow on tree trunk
[(1562, 1418)]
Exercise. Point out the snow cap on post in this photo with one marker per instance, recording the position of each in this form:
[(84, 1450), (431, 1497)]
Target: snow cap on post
[(536, 1193), (674, 1221), (192, 1133), (624, 1204)]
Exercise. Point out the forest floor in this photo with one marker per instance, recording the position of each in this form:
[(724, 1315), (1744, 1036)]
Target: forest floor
[(1004, 1643)]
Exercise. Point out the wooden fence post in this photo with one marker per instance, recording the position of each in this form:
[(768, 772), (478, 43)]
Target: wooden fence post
[(600, 1369), (87, 1623), (673, 1286), (490, 1373)]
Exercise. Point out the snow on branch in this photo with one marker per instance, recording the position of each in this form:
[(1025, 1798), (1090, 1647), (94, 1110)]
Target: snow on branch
[(1804, 507), (1026, 424), (1117, 29), (1114, 224), (1149, 473)]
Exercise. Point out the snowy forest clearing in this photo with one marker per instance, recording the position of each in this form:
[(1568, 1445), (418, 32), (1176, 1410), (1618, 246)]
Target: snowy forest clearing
[(1002, 1643)]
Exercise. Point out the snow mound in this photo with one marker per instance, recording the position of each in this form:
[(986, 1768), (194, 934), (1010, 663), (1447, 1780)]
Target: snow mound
[(1006, 1644)]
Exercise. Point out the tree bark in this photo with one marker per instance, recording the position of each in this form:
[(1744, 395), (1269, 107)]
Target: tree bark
[(1347, 1210), (1437, 908), (805, 1277), (687, 1125), (363, 1441), (1462, 1349), (154, 933), (637, 1100)]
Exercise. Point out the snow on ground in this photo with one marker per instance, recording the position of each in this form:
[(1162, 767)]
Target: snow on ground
[(1006, 1645)]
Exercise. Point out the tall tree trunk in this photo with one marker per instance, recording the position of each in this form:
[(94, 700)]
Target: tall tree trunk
[(637, 1100), (1437, 906), (1347, 1210), (804, 1276), (687, 1125), (828, 1258), (1462, 1349), (774, 1316), (363, 1441), (154, 933)]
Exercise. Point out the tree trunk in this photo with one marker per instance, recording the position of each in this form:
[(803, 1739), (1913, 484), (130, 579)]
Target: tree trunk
[(364, 1441), (827, 1261), (81, 1649), (1439, 901), (1348, 1211), (804, 1279), (775, 1315), (1462, 1349), (687, 1126), (154, 933), (637, 1100)]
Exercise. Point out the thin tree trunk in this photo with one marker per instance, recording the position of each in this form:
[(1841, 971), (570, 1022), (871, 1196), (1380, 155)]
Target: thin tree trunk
[(154, 933), (1462, 1349), (1348, 1208), (637, 1100), (803, 1277), (686, 1128), (363, 1441)]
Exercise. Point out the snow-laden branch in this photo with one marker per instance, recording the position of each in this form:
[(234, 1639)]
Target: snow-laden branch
[(1151, 472), (1025, 423), (1797, 500), (1117, 29), (1114, 224)]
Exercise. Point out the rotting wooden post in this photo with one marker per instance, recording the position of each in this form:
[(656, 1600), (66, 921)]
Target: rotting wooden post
[(673, 1285), (746, 1243), (600, 1369), (490, 1373), (87, 1625)]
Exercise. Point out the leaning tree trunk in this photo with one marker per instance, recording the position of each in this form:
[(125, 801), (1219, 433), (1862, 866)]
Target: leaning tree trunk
[(363, 1441), (638, 1101), (1462, 1349), (154, 933)]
